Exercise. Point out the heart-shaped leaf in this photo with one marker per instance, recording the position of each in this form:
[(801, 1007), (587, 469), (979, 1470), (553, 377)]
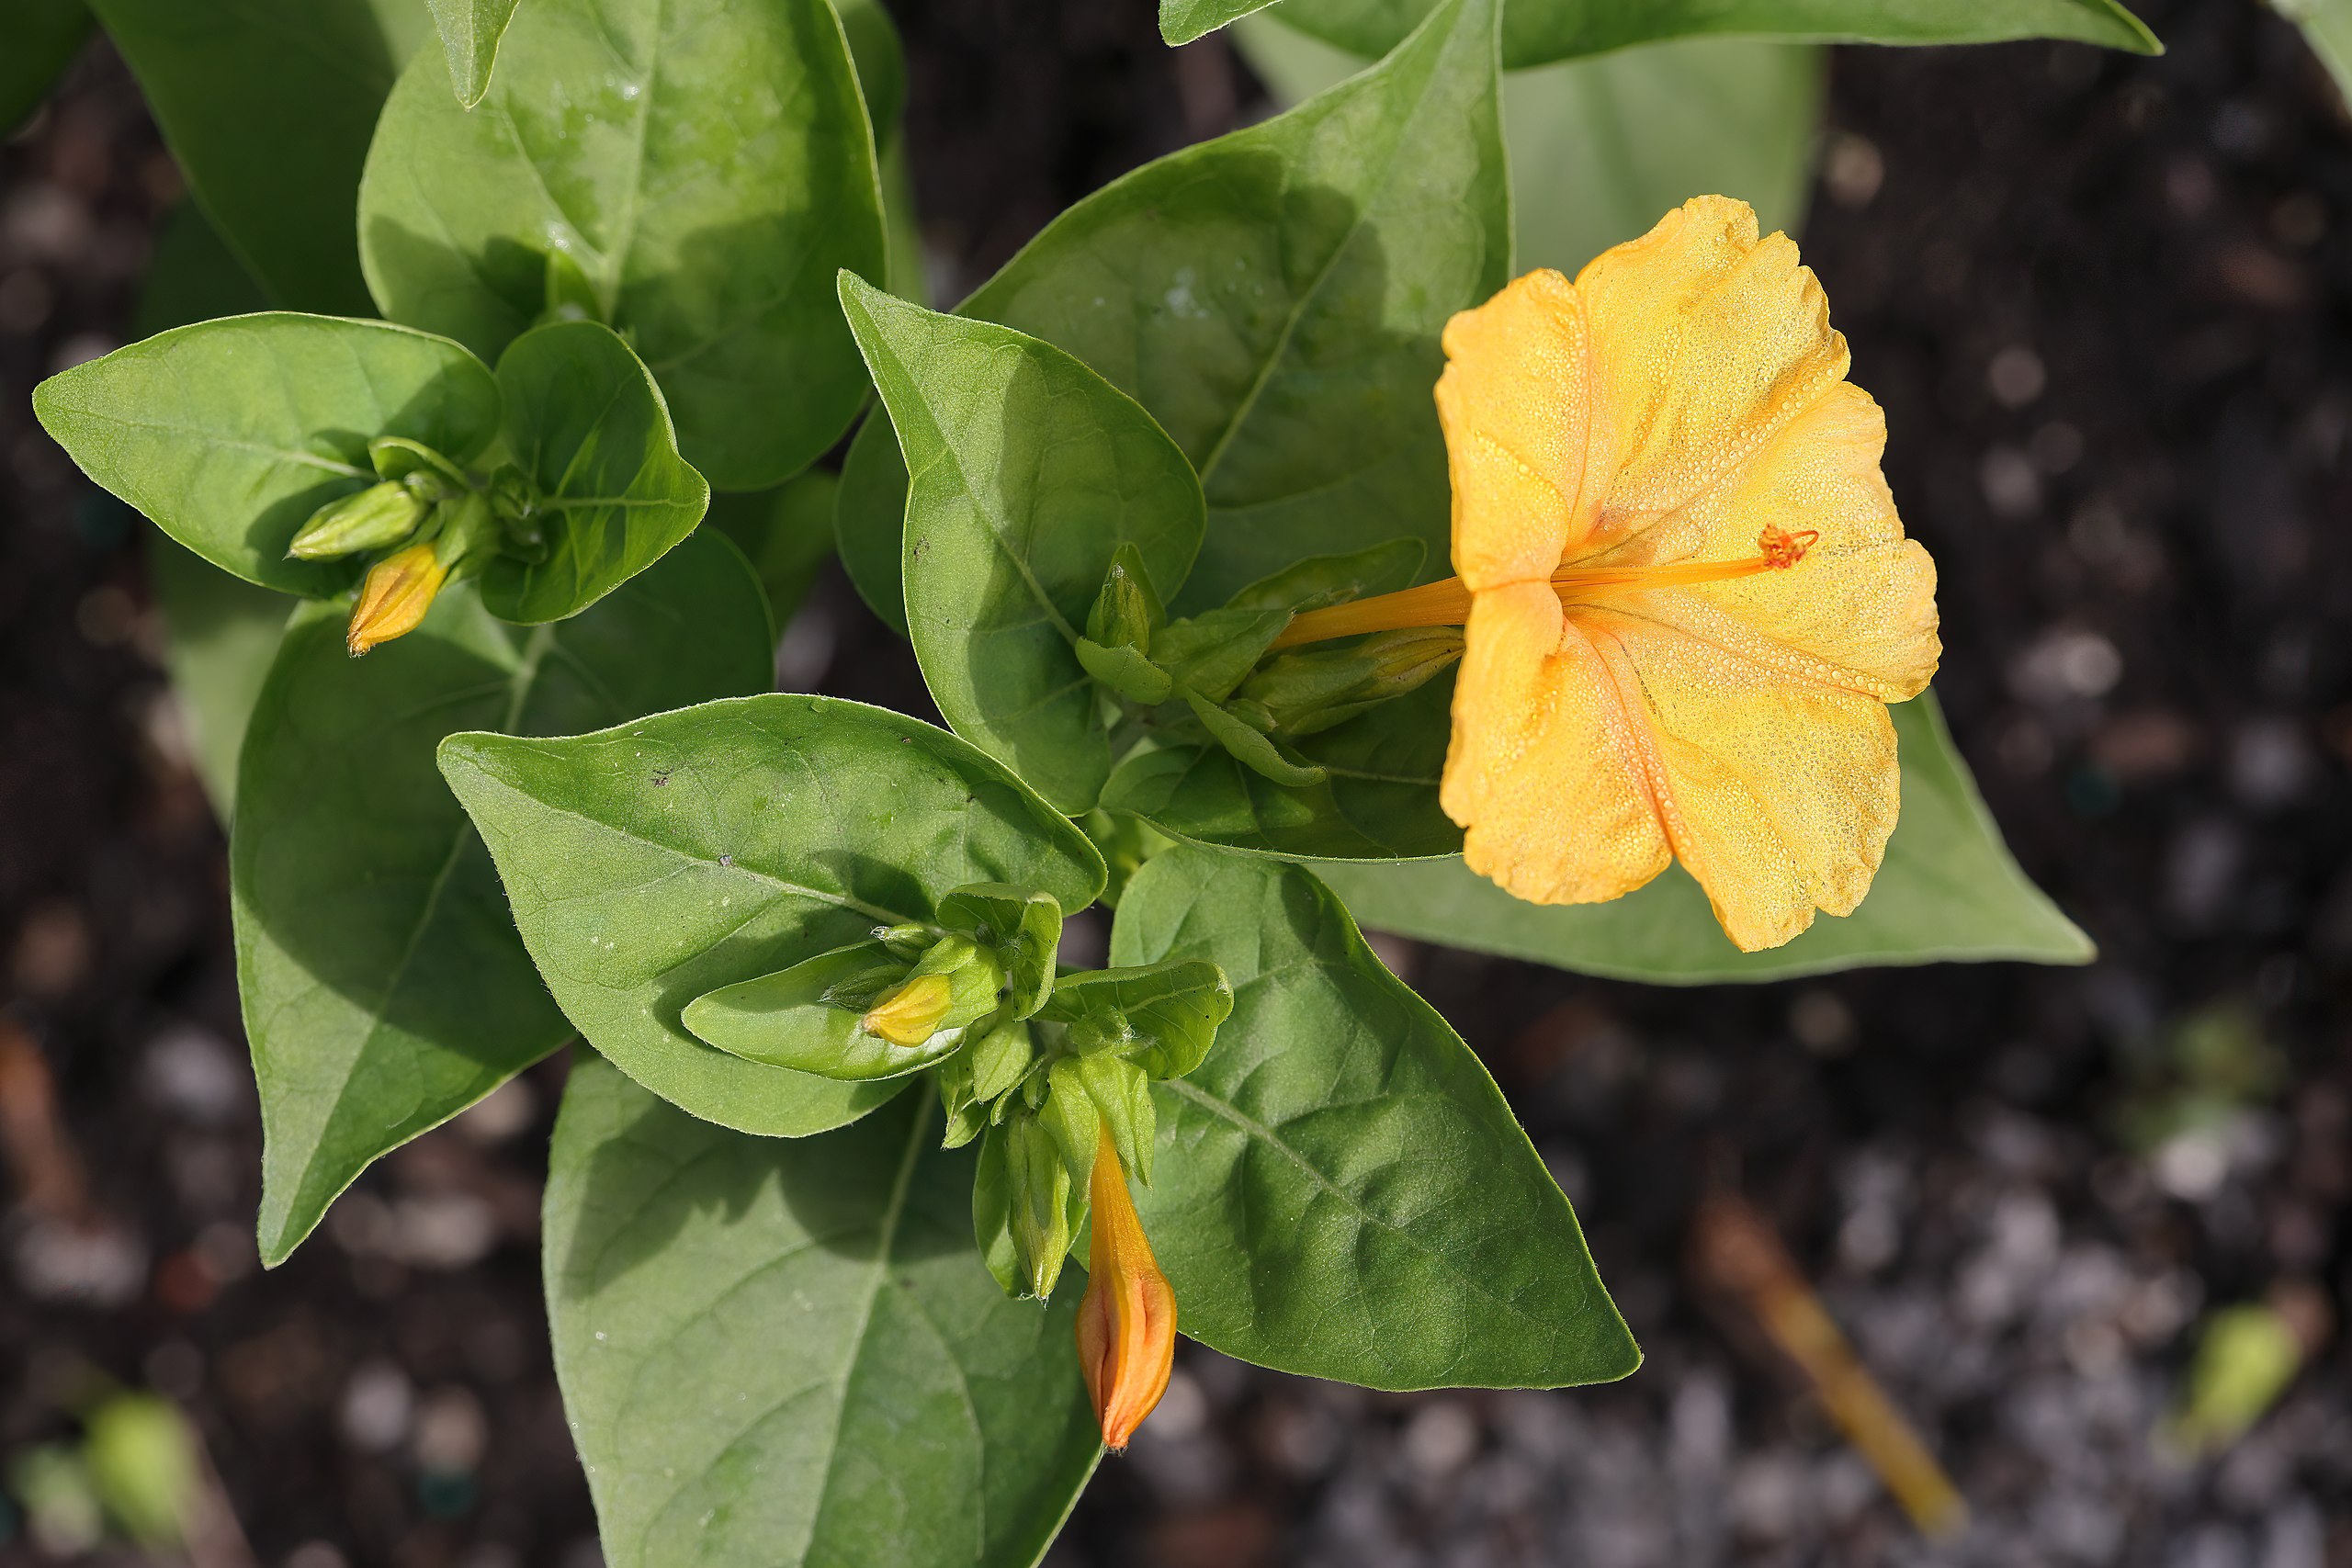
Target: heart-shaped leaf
[(588, 425), (230, 433), (1032, 471), (705, 167), (1947, 890), (384, 987), (653, 862), (1340, 1189), (1536, 32), (786, 1351), (1274, 297)]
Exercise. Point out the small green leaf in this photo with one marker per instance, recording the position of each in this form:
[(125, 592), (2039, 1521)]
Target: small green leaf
[(1274, 298), (1167, 1014), (707, 163), (1536, 32), (784, 1351), (268, 106), (1252, 749), (1181, 21), (589, 426), (1341, 1191), (230, 433), (383, 985), (1947, 890), (43, 37), (469, 33), (1025, 929), (1377, 801), (1124, 671), (1032, 472), (653, 862)]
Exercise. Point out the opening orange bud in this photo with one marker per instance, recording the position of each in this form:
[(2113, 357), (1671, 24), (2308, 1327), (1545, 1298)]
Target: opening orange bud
[(1126, 1324), (911, 1013), (398, 591)]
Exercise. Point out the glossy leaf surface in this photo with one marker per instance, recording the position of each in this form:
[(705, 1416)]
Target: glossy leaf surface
[(787, 1351), (1030, 472), (1340, 1189), (705, 164), (1274, 297), (1536, 32), (269, 106), (1947, 890), (230, 433), (651, 863), (1601, 148), (384, 987), (589, 427)]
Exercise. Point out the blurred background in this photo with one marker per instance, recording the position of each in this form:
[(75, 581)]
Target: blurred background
[(2085, 1228)]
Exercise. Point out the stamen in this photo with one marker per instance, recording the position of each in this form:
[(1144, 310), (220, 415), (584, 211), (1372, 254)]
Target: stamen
[(1447, 604)]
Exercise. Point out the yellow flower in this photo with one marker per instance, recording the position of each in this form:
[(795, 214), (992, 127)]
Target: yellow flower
[(393, 600), (1687, 596), (1126, 1321)]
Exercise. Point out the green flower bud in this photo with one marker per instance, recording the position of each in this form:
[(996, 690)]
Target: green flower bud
[(375, 518), (1128, 611), (1313, 689), (1038, 1189)]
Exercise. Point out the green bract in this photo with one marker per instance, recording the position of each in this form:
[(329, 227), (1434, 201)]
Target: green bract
[(701, 168)]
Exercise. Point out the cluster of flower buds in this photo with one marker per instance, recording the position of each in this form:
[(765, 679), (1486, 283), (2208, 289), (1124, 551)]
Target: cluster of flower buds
[(1050, 1073), (1206, 678)]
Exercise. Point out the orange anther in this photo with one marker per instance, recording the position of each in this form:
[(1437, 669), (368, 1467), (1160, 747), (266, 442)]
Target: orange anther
[(1783, 549)]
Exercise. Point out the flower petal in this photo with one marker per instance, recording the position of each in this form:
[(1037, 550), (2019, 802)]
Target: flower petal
[(1858, 611), (1777, 792), (1704, 342), (1543, 770), (1513, 401)]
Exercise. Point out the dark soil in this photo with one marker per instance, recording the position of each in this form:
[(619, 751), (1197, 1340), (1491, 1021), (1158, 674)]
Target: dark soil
[(2104, 301)]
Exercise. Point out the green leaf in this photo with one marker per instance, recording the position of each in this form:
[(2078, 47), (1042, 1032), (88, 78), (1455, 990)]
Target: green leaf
[(708, 167), (869, 520), (588, 425), (1025, 929), (1274, 297), (1032, 471), (43, 37), (230, 433), (470, 34), (1181, 21), (383, 983), (221, 636), (655, 862), (1946, 891), (777, 1351), (787, 531), (1341, 1191), (1600, 149), (1166, 1014), (2327, 25), (268, 106), (1377, 799), (1536, 32)]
